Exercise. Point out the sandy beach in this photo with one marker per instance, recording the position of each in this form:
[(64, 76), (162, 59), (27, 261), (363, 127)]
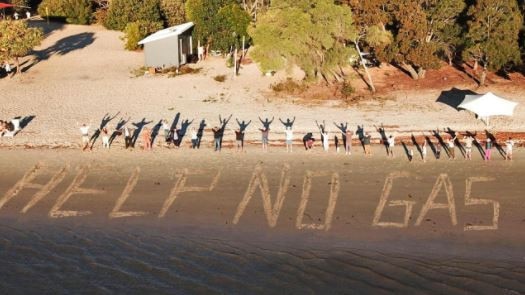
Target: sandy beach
[(198, 221), (174, 220)]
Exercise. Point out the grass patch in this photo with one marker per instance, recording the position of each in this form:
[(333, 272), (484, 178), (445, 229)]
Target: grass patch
[(139, 72), (220, 78)]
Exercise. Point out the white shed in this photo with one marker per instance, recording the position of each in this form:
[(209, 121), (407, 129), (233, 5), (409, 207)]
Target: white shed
[(169, 47)]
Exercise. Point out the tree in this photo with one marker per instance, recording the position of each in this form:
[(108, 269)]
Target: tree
[(218, 23), (493, 33), (423, 28), (20, 5), (254, 7), (370, 19), (72, 11), (172, 12), (17, 39), (122, 12), (312, 34)]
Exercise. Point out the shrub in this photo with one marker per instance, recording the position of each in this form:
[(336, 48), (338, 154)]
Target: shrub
[(136, 31), (172, 12), (72, 11), (347, 89), (122, 12), (289, 86), (220, 78)]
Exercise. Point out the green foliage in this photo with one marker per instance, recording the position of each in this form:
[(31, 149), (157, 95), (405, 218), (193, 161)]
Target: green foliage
[(122, 12), (232, 25), (136, 31), (17, 39), (172, 12), (221, 23), (73, 11), (493, 32), (19, 3), (422, 29), (307, 33)]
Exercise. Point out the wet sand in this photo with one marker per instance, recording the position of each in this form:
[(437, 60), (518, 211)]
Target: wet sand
[(183, 221)]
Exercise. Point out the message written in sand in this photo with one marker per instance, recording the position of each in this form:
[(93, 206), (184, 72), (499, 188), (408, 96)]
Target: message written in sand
[(258, 185)]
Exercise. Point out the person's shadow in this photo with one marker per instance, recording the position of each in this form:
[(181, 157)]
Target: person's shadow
[(288, 123), (457, 143), (200, 132), (432, 147), (384, 138), (441, 141), (407, 151), (105, 120), (343, 127), (416, 144), (224, 123), (183, 129), (139, 126), (360, 132), (243, 125), (117, 131), (175, 121), (266, 123), (155, 131)]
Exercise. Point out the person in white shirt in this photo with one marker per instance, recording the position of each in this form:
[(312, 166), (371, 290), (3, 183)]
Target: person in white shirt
[(16, 15), (84, 130), (194, 138), (28, 14), (424, 151), (508, 150), (326, 144), (468, 147), (127, 136), (289, 139), (105, 138)]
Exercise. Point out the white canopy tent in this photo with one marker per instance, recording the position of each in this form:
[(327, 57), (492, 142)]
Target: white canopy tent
[(487, 105)]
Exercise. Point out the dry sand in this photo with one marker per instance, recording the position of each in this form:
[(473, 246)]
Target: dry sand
[(83, 72)]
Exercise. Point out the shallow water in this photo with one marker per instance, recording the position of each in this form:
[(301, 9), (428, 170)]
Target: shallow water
[(60, 257)]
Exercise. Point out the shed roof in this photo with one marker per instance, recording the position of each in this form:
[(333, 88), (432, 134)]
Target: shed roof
[(168, 32)]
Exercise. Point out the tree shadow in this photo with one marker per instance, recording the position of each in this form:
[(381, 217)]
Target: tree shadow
[(461, 67), (454, 97), (46, 27), (62, 47)]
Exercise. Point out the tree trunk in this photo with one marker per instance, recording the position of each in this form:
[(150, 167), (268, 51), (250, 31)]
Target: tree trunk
[(483, 76), (410, 69), (421, 73), (17, 64), (370, 81)]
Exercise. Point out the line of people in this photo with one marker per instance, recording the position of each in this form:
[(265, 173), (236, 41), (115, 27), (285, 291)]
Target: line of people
[(174, 135)]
